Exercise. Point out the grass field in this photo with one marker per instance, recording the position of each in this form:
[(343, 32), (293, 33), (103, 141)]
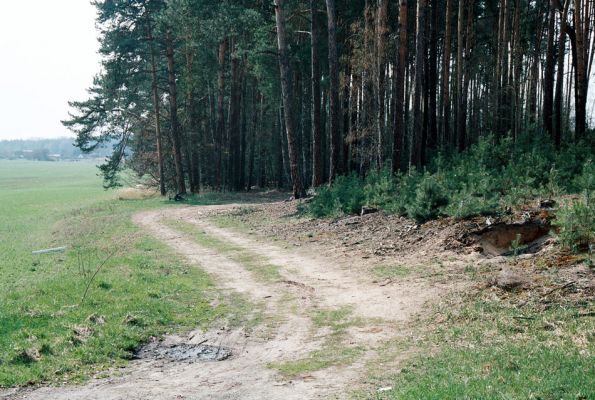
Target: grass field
[(47, 332)]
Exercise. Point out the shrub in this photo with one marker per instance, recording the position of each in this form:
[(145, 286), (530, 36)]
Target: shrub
[(430, 197), (576, 223), (323, 204), (345, 196), (488, 177)]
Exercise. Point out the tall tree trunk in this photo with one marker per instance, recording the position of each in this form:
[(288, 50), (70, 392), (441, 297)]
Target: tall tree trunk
[(548, 78), (195, 144), (156, 109), (381, 39), (219, 137), (446, 73), (432, 74), (317, 174), (335, 134), (287, 101), (460, 138), (369, 132), (173, 113), (557, 117), (399, 126), (583, 37), (534, 70), (462, 120), (234, 121), (420, 51)]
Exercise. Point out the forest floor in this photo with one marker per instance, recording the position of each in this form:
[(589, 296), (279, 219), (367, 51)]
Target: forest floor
[(356, 306)]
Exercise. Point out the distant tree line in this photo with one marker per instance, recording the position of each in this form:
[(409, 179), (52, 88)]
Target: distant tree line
[(42, 149), (232, 94)]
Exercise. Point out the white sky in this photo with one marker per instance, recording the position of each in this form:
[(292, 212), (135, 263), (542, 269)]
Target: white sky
[(48, 56)]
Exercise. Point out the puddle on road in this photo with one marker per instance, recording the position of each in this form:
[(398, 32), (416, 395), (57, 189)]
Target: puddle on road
[(184, 352)]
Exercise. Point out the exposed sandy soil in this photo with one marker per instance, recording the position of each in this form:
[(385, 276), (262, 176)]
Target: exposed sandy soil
[(324, 265)]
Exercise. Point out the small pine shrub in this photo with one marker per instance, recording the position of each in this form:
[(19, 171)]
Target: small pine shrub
[(323, 204), (344, 196), (381, 189), (576, 223), (430, 197), (349, 193)]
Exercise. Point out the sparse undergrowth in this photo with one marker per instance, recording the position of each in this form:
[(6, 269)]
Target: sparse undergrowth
[(487, 178)]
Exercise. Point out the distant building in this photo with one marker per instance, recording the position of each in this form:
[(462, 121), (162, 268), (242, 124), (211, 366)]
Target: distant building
[(54, 157)]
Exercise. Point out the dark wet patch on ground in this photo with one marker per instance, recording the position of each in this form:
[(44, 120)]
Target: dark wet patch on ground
[(184, 352)]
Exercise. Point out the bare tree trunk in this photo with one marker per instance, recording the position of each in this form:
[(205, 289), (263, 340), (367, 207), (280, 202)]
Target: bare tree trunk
[(420, 50), (335, 159), (173, 111), (317, 175), (219, 137), (433, 78), (557, 117), (381, 38), (294, 164), (234, 122), (195, 144), (446, 73), (583, 33), (156, 110), (399, 126), (548, 79), (460, 139)]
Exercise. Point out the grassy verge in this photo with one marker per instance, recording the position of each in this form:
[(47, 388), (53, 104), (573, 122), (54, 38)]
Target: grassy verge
[(47, 332), (489, 350)]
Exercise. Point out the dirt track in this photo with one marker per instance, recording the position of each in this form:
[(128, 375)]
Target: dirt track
[(309, 281)]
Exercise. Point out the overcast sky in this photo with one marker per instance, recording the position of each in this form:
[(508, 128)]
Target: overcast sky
[(48, 56)]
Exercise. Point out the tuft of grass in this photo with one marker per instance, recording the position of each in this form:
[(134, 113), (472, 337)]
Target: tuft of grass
[(391, 271), (319, 360), (335, 351)]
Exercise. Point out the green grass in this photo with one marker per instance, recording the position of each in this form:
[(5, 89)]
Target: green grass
[(336, 349), (143, 289), (391, 271), (256, 264), (488, 350)]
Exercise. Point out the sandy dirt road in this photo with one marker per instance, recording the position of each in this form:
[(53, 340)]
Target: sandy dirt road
[(308, 282)]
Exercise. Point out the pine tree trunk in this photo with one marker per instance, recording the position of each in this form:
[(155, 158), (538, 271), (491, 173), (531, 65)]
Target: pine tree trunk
[(420, 50), (193, 128), (156, 110), (399, 126), (548, 78), (446, 73), (433, 77), (173, 113), (460, 138), (234, 122), (220, 134), (335, 134), (294, 165), (381, 39), (317, 175), (557, 117)]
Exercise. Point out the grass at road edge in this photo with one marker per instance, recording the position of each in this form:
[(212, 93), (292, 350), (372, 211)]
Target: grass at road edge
[(47, 335)]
